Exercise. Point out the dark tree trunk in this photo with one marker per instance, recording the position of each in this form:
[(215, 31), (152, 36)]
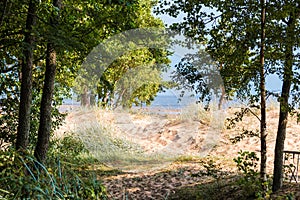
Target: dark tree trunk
[(46, 106), (284, 106), (47, 97), (263, 123), (281, 134), (26, 80)]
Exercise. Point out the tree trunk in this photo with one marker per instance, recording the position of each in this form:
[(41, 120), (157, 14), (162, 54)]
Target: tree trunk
[(85, 100), (92, 99), (220, 104), (26, 79), (223, 92), (263, 134), (47, 96), (284, 106)]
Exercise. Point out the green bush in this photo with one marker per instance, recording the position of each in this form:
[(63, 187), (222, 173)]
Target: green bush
[(23, 177), (68, 148), (247, 163)]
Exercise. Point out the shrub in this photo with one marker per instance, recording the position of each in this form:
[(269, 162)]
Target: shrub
[(68, 148), (23, 177), (247, 163)]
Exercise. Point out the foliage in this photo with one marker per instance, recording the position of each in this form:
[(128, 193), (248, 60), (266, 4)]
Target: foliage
[(211, 169), (9, 102), (236, 122), (244, 134), (69, 148), (8, 107), (81, 26), (22, 176), (198, 73), (133, 78), (109, 79), (247, 163), (12, 36), (212, 23)]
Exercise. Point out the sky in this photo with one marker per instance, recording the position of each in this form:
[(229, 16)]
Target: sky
[(273, 82)]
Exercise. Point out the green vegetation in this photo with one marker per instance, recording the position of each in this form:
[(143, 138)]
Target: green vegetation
[(65, 176), (47, 50), (42, 47), (108, 145)]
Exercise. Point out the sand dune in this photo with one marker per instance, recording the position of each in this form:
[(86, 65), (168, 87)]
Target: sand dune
[(172, 135)]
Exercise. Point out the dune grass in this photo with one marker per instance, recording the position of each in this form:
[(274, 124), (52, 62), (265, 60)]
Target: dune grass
[(111, 147)]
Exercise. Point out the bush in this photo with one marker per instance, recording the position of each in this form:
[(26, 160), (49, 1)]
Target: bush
[(247, 163), (23, 177), (68, 148)]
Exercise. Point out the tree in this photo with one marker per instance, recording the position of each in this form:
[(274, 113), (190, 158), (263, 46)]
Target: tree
[(263, 122), (26, 78), (44, 131), (82, 26), (133, 78), (234, 41), (51, 65), (290, 13), (105, 81)]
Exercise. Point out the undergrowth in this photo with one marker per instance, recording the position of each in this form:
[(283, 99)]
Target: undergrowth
[(61, 177)]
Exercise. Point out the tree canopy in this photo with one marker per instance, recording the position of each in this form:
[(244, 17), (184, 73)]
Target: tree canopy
[(79, 27)]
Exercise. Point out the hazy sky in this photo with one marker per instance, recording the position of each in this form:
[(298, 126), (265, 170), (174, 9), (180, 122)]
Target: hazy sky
[(272, 82)]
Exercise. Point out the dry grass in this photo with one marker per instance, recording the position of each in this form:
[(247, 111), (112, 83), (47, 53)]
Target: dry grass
[(107, 143), (195, 112)]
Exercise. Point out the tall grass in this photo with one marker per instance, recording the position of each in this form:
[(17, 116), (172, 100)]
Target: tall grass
[(113, 148), (110, 145), (23, 177), (195, 112)]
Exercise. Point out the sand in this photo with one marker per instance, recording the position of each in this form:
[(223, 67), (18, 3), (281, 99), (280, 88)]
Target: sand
[(177, 133)]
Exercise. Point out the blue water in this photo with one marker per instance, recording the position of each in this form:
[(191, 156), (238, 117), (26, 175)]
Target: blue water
[(161, 101), (169, 102)]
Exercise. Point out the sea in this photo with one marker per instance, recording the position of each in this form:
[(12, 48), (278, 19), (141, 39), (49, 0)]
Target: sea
[(160, 101), (174, 103)]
